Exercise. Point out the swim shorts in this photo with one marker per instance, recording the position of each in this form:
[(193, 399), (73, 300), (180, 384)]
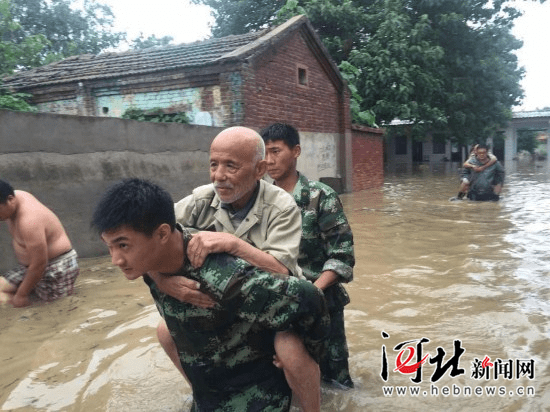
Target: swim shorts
[(58, 279)]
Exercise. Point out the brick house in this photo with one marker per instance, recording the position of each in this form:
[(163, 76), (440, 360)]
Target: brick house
[(278, 74)]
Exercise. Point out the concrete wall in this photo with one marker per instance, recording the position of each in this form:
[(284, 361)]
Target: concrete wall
[(112, 104), (67, 106), (199, 93), (68, 161), (319, 156)]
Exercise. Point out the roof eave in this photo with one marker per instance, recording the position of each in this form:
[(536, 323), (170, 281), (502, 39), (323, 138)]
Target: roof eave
[(278, 34)]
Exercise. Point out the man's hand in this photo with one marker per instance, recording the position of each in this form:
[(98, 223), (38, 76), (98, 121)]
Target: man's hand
[(204, 243), (326, 279), (19, 301), (183, 289)]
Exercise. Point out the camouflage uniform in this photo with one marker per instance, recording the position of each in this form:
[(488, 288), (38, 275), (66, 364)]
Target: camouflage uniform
[(227, 351), (481, 183), (327, 244)]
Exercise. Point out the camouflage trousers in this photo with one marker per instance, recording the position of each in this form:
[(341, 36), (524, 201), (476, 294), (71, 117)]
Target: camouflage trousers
[(334, 365)]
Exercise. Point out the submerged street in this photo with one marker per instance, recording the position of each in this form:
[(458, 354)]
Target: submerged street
[(448, 272)]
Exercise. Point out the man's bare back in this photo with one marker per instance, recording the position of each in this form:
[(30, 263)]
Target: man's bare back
[(49, 265), (35, 217)]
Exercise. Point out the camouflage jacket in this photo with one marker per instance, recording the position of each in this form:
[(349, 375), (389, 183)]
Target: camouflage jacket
[(483, 182), (327, 241), (227, 351)]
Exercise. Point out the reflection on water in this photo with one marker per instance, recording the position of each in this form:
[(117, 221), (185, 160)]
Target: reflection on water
[(472, 273)]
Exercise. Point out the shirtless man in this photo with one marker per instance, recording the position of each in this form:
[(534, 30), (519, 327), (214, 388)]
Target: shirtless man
[(48, 265)]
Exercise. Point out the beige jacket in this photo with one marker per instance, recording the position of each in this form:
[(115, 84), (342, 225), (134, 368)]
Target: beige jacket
[(273, 224)]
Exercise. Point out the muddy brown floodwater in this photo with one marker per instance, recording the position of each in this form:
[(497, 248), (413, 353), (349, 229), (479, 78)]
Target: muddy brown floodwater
[(470, 279)]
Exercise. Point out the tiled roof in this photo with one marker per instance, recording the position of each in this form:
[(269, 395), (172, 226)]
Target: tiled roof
[(209, 52), (531, 114), (109, 65)]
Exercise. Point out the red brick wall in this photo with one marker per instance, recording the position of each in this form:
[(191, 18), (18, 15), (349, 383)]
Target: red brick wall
[(368, 163), (272, 93)]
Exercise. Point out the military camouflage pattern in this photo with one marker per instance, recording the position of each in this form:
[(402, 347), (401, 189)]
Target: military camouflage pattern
[(227, 351), (327, 244), (327, 241), (481, 183), (334, 365)]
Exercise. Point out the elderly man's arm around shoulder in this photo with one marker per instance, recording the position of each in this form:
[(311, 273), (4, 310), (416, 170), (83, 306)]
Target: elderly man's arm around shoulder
[(201, 245), (182, 289), (204, 243)]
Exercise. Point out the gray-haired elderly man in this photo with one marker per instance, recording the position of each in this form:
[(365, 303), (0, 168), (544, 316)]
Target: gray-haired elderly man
[(243, 215)]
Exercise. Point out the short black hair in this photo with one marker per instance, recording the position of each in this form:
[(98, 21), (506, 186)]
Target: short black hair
[(137, 203), (482, 146), (281, 131), (5, 191)]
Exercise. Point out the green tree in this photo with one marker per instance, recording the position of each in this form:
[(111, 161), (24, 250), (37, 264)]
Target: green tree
[(350, 73), (69, 30), (37, 32), (13, 55), (438, 64), (479, 70), (400, 68), (140, 43), (16, 54), (239, 17)]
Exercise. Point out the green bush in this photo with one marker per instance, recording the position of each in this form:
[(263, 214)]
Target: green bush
[(15, 101), (156, 115)]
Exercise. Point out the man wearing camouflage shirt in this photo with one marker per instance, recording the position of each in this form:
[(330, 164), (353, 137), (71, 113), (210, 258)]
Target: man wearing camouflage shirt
[(246, 217), (486, 179), (227, 350), (326, 248)]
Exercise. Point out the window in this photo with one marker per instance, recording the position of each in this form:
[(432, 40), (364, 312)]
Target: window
[(438, 147), (400, 145), (302, 76), (105, 110), (438, 143)]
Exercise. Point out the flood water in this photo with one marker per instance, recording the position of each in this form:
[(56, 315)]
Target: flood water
[(462, 275)]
